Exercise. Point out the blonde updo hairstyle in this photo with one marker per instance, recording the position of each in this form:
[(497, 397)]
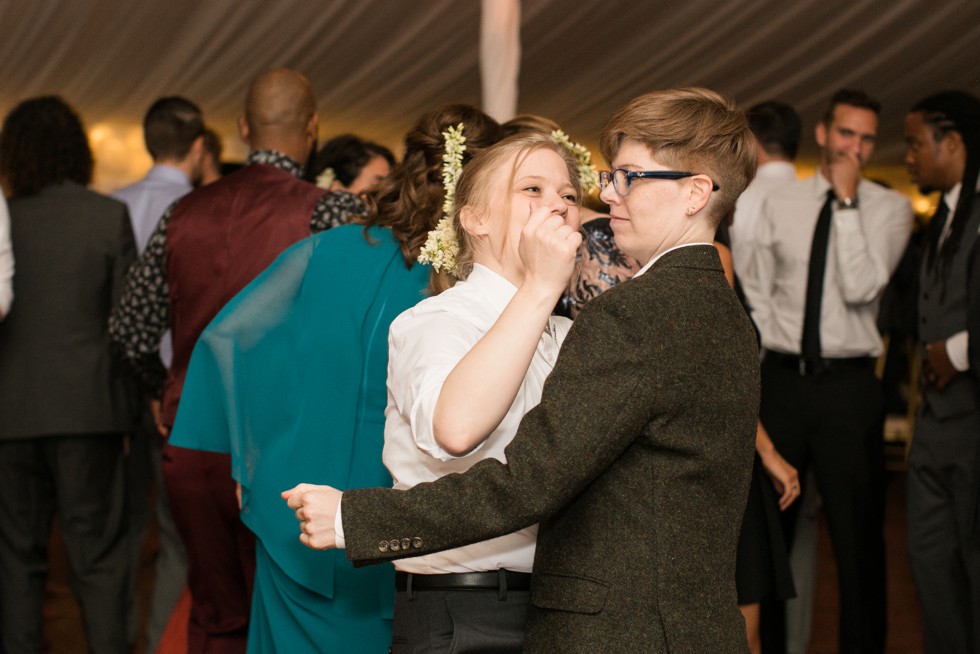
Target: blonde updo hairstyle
[(476, 185)]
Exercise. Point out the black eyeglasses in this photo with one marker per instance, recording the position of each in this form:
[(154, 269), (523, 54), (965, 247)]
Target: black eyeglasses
[(622, 179)]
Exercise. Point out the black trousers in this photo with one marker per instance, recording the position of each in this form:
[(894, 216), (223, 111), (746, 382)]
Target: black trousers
[(943, 552), (459, 622), (833, 421), (80, 478)]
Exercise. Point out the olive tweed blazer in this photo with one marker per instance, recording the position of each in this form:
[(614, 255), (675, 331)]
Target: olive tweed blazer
[(636, 463)]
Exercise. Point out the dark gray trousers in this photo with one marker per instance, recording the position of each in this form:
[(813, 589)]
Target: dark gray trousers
[(459, 621), (945, 559), (80, 478), (147, 498)]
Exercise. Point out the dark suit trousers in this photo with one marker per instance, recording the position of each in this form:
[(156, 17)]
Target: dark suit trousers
[(459, 621), (944, 555), (81, 479), (220, 548), (834, 422), (147, 498)]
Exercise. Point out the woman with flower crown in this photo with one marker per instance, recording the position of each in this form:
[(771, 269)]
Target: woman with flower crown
[(290, 379), (465, 366)]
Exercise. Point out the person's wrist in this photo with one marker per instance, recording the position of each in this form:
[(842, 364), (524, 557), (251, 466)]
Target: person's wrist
[(848, 201)]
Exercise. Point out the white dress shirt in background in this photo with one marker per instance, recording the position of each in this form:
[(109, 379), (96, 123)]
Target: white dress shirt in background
[(770, 175), (864, 248)]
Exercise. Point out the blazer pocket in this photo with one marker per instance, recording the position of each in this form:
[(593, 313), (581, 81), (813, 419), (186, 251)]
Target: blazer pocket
[(567, 593)]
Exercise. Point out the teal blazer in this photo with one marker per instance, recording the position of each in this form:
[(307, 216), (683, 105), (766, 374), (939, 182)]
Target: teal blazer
[(636, 463), (290, 380)]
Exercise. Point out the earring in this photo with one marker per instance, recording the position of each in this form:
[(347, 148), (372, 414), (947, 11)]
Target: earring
[(690, 211)]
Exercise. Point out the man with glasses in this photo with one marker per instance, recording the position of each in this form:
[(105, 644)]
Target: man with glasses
[(826, 248)]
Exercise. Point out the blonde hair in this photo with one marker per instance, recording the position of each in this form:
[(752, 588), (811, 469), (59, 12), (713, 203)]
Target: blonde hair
[(474, 190), (692, 129)]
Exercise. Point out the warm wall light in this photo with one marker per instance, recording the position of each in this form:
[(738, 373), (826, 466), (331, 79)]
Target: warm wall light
[(120, 155)]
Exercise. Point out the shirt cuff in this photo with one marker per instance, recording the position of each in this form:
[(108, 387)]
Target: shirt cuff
[(338, 526), (957, 349)]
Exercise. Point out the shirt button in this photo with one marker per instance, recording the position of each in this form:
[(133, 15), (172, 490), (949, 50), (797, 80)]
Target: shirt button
[(416, 542), (383, 546)]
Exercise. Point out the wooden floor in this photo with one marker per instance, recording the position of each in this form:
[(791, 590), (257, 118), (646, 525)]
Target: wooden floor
[(63, 631)]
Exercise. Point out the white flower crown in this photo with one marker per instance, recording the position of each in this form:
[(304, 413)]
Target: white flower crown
[(441, 245), (588, 176)]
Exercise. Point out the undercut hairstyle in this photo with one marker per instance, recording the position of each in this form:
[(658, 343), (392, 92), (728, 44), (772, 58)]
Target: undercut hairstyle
[(852, 98), (409, 200), (476, 185), (43, 143), (347, 155), (777, 127), (943, 113), (170, 127), (692, 129)]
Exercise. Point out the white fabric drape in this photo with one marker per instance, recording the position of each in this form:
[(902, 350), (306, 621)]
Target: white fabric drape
[(500, 57), (377, 65)]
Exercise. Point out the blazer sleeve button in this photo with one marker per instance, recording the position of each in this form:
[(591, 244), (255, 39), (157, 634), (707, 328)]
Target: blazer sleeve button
[(383, 546), (417, 542), (395, 545), (406, 543)]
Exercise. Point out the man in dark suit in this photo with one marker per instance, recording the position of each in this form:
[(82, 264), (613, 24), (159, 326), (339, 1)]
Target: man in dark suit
[(636, 463), (943, 137), (62, 399)]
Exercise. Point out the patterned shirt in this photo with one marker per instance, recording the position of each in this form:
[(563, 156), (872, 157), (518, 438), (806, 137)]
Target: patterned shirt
[(142, 314)]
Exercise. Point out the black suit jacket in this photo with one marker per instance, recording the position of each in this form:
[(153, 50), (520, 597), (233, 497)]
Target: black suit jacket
[(636, 463), (73, 247)]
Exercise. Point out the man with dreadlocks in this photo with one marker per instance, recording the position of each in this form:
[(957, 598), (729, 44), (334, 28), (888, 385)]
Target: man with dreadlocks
[(942, 133)]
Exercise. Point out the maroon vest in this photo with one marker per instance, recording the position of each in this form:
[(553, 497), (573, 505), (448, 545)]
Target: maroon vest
[(219, 238)]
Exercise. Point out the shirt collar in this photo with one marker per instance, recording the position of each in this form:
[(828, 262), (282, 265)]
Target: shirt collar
[(820, 186), (276, 159), (495, 287), (654, 260), (776, 170), (952, 196), (168, 173)]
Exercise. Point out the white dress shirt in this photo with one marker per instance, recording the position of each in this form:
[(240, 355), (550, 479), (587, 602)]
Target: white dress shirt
[(864, 248), (769, 176), (425, 344), (6, 261), (147, 200)]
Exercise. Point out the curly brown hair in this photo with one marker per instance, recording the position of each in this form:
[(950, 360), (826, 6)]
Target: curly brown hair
[(409, 200), (43, 143)]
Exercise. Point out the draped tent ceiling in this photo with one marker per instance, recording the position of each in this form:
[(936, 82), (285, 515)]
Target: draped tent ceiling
[(377, 64)]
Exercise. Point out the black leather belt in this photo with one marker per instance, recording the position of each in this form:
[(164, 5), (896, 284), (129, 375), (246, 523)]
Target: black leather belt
[(499, 580), (819, 366)]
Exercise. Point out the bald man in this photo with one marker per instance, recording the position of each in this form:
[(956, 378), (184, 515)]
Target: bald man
[(207, 247)]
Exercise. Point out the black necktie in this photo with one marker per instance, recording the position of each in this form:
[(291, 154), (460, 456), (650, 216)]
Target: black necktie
[(810, 346), (937, 225)]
